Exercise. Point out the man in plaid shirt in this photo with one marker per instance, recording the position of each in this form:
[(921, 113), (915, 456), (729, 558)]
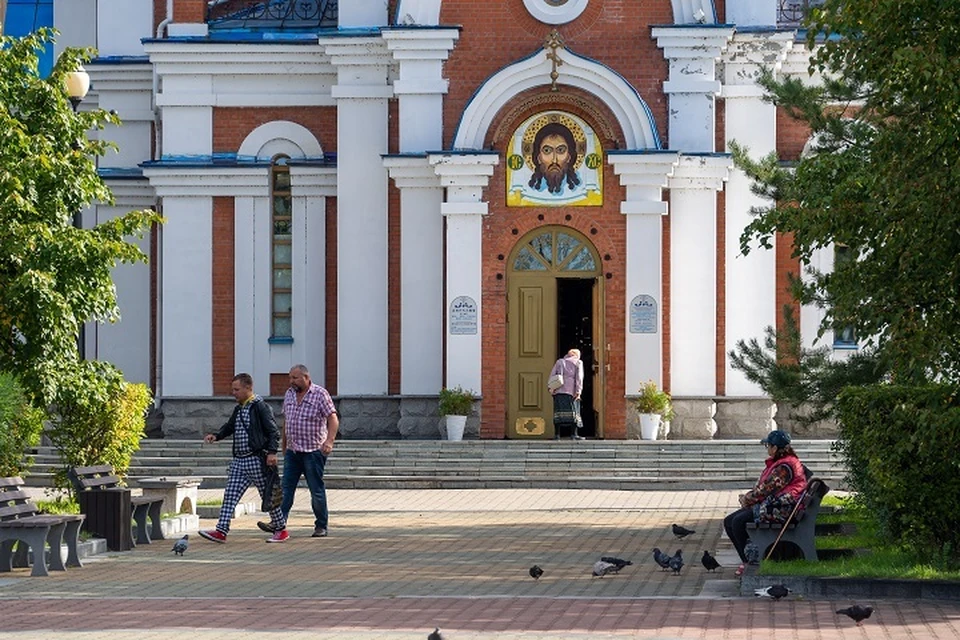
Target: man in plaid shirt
[(310, 428)]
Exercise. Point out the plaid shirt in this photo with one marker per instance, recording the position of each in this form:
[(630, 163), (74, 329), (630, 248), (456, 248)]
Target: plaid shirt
[(241, 431), (305, 422)]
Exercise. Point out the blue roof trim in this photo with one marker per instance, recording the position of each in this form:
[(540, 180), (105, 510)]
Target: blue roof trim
[(421, 154), (245, 36), (463, 152), (118, 60), (707, 154), (120, 173), (765, 29), (421, 27), (233, 160), (641, 152), (694, 25)]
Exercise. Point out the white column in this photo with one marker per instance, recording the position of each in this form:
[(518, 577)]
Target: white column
[(752, 13), (421, 273), (464, 176), (362, 13), (361, 94), (751, 280), (420, 90), (644, 174), (693, 273), (693, 86)]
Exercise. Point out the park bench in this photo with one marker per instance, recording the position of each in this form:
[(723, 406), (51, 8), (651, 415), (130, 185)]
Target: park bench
[(20, 521), (109, 506), (801, 529)]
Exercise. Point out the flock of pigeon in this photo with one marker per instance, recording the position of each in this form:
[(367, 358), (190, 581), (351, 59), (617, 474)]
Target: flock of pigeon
[(610, 564)]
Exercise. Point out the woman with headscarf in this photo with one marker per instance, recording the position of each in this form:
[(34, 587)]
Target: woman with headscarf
[(566, 397)]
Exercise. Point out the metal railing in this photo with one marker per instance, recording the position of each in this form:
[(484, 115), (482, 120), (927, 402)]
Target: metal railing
[(792, 13), (272, 14)]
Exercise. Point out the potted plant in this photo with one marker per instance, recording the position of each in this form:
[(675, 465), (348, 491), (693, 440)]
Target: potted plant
[(455, 404), (653, 405)]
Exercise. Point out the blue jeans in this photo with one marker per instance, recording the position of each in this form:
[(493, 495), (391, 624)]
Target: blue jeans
[(310, 464)]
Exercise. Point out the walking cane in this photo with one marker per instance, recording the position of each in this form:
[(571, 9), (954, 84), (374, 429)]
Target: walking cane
[(787, 523)]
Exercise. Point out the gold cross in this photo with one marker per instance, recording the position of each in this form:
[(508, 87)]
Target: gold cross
[(553, 42)]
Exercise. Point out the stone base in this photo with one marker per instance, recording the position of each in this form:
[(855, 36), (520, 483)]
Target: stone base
[(694, 419), (179, 494), (745, 417)]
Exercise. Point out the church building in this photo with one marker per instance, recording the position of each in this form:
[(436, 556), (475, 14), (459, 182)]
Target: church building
[(407, 195)]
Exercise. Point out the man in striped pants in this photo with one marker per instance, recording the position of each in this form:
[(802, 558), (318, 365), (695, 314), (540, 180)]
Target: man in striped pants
[(255, 443)]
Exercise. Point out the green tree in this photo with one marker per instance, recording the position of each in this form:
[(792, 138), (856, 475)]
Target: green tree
[(882, 178), (20, 426), (53, 276)]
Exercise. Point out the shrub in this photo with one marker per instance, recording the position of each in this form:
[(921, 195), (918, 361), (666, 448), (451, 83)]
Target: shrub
[(900, 447), (100, 421), (653, 400), (20, 426), (456, 402)]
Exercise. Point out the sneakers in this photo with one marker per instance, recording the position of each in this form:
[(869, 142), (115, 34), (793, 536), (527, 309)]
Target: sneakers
[(213, 535), (319, 532), (267, 527), (740, 570), (279, 536)]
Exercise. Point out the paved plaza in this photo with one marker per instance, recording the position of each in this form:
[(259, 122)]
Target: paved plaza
[(398, 563)]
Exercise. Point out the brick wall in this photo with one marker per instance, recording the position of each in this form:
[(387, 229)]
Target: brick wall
[(231, 125), (189, 11), (224, 324), (330, 286)]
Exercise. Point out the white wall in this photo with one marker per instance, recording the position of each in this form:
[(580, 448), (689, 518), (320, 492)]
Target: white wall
[(77, 22), (121, 24)]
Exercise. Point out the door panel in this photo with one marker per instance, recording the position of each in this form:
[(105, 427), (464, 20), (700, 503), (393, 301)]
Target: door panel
[(600, 355), (532, 309)]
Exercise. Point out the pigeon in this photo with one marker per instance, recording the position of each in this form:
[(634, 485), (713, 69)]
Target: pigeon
[(661, 558), (181, 545), (601, 568), (435, 635), (857, 613), (536, 572), (676, 562), (776, 592), (681, 532), (709, 562), (620, 564)]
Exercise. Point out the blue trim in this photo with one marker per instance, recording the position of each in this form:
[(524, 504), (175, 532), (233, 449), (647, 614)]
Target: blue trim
[(120, 174), (695, 25), (420, 27), (404, 155), (464, 152), (707, 154), (765, 29), (641, 152), (658, 143), (118, 60), (280, 340), (233, 160)]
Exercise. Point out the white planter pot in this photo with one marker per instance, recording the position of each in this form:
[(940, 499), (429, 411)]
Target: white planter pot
[(455, 425), (649, 425)]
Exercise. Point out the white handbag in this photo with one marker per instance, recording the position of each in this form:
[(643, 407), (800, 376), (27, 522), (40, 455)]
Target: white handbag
[(554, 382)]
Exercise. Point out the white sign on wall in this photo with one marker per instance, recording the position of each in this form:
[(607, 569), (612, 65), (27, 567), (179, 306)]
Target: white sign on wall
[(463, 316), (643, 314)]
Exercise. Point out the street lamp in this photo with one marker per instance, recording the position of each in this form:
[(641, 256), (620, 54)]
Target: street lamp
[(77, 83)]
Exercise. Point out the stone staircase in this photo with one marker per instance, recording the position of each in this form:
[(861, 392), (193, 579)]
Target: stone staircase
[(486, 464)]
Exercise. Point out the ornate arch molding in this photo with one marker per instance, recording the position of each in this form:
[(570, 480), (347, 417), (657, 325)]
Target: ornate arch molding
[(281, 136), (631, 112), (694, 12), (584, 106)]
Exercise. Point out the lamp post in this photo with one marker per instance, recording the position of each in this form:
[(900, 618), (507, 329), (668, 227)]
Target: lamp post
[(77, 83)]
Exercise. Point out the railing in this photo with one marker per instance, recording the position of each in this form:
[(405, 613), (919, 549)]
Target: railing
[(272, 14), (792, 13)]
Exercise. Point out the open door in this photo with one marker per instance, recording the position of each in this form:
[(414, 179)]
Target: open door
[(600, 363), (532, 305)]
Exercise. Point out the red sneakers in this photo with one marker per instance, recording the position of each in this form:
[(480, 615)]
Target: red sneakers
[(214, 535), (279, 536)]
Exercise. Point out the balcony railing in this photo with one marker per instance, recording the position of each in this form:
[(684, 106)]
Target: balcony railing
[(792, 13), (272, 14)]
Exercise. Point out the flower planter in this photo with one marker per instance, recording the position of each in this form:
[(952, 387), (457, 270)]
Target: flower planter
[(455, 426), (649, 425)]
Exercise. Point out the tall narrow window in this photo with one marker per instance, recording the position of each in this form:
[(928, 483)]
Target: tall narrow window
[(282, 249), (844, 336)]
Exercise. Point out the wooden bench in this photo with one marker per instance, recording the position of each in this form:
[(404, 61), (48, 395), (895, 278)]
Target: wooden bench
[(800, 531), (21, 521), (103, 500)]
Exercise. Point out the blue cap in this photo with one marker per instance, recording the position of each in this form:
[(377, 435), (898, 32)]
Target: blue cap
[(777, 438)]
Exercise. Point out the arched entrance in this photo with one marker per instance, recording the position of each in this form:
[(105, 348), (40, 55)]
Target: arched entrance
[(554, 303)]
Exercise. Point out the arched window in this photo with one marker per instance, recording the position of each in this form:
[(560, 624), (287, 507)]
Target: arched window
[(281, 249), (555, 249)]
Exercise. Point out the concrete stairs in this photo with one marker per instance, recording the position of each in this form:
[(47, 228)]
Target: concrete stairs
[(486, 464)]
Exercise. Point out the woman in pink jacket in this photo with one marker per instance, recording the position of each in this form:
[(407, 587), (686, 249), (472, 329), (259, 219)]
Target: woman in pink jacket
[(566, 397)]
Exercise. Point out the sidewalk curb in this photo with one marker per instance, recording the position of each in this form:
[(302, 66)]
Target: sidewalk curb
[(842, 588)]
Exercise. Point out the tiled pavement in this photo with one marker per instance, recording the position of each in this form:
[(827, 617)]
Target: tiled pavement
[(398, 563)]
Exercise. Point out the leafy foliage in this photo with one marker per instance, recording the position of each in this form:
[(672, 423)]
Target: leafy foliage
[(898, 443), (456, 402), (882, 178), (792, 374), (53, 276), (20, 426), (651, 399), (101, 422)]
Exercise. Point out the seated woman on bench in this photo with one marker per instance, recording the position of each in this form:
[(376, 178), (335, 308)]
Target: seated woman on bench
[(775, 495)]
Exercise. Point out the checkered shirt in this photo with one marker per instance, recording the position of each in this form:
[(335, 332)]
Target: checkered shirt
[(305, 422), (241, 429)]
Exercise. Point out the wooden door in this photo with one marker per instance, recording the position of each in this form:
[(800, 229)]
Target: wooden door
[(600, 356), (532, 312)]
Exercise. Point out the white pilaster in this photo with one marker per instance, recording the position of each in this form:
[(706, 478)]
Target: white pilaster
[(361, 94), (362, 13), (421, 274), (464, 176), (121, 24), (751, 280), (693, 85), (644, 174), (693, 273), (125, 88), (752, 13)]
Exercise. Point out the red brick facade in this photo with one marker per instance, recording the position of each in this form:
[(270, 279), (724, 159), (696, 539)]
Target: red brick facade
[(224, 302)]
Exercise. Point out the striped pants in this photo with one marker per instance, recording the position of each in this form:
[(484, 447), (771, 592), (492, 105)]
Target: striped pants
[(244, 472)]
